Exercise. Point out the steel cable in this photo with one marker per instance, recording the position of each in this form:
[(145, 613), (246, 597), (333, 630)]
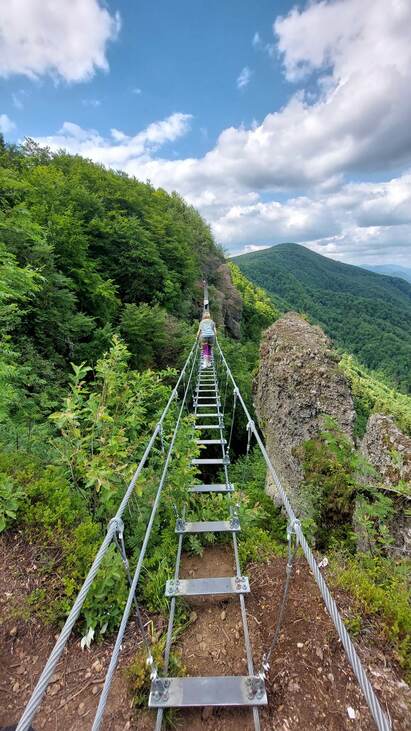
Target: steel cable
[(120, 635), (49, 668), (381, 720)]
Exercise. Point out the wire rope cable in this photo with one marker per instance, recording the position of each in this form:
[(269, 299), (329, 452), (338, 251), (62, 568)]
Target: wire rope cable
[(382, 721), (49, 668)]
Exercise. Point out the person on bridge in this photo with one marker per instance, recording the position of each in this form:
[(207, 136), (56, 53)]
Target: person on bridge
[(207, 332)]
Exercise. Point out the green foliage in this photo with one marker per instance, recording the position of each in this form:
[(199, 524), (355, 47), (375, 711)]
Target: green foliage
[(258, 309), (365, 313), (79, 246), (66, 505), (263, 524), (138, 672), (373, 512), (381, 588), (11, 497), (373, 395), (332, 472), (154, 337), (104, 424)]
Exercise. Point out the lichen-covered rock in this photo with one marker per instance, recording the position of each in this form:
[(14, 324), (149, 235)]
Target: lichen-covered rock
[(387, 449), (297, 383), (232, 304)]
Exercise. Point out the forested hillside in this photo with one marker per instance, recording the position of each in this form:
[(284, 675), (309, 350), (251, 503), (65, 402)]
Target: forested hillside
[(366, 314), (85, 253)]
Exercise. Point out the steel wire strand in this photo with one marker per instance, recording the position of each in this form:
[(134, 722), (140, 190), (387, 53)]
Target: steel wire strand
[(117, 647), (49, 668), (381, 720), (289, 570)]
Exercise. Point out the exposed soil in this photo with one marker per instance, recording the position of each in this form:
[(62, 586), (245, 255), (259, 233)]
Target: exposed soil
[(310, 686)]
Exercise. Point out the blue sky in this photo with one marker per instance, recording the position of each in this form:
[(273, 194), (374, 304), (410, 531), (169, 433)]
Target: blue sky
[(279, 121), (184, 56)]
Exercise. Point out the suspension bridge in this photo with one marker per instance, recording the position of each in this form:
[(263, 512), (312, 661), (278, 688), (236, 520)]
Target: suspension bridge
[(198, 391)]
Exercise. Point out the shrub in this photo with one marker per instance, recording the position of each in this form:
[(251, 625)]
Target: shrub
[(11, 497)]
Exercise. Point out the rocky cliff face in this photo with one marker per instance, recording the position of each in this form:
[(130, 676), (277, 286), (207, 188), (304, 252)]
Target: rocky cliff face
[(389, 451), (298, 381)]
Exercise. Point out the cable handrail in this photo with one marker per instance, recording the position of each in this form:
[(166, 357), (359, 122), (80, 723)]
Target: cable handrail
[(115, 528), (381, 720), (50, 666), (133, 588)]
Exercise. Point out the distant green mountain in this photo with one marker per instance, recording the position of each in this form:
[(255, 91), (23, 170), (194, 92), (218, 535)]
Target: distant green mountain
[(391, 270), (365, 313)]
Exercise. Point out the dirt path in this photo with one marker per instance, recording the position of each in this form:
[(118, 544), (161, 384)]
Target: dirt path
[(310, 686)]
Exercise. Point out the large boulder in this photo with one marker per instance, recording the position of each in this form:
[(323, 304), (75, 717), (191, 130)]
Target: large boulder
[(297, 383)]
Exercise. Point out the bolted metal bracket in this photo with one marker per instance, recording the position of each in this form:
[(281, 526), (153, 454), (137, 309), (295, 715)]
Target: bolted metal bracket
[(159, 689), (291, 528), (173, 587), (180, 525), (256, 687), (241, 583)]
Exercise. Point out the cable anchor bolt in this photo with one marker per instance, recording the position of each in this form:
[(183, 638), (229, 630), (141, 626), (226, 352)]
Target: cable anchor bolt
[(291, 528)]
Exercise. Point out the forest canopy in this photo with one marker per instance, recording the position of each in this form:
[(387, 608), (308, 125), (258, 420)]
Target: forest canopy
[(86, 252)]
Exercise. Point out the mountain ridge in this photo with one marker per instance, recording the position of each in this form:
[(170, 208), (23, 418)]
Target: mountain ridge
[(366, 313)]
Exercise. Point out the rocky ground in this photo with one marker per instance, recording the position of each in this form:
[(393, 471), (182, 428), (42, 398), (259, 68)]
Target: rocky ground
[(310, 685)]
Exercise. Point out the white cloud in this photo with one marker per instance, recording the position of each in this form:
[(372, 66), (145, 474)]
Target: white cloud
[(357, 122), (136, 90), (244, 78), (356, 222), (66, 40), (91, 103), (121, 148), (249, 249), (6, 124), (18, 98), (260, 45)]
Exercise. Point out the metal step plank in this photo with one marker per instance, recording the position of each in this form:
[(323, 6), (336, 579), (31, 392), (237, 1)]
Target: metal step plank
[(211, 441), (208, 587), (217, 487), (212, 460), (208, 526), (208, 426), (201, 414), (226, 690)]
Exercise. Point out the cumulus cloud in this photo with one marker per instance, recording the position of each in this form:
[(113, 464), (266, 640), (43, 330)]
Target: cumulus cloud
[(244, 78), (357, 222), (65, 40), (357, 58), (118, 150), (6, 124)]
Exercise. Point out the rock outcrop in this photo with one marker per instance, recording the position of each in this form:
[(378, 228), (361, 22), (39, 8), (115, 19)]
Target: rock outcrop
[(297, 383), (232, 303), (389, 451)]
